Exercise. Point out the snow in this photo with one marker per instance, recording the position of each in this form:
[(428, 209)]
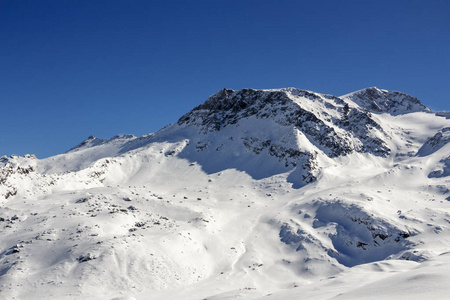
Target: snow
[(246, 204), (380, 280)]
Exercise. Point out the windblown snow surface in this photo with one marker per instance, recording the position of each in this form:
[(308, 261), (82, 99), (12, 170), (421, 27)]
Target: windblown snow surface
[(254, 194)]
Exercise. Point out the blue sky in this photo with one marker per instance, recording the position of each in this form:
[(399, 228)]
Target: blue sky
[(70, 69)]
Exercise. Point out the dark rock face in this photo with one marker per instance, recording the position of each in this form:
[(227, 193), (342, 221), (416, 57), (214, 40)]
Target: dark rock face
[(360, 124), (228, 107)]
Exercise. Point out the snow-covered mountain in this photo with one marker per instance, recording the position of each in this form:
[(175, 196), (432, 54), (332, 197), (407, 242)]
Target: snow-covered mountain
[(284, 192)]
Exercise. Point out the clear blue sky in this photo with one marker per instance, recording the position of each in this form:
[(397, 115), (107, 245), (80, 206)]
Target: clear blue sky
[(70, 69)]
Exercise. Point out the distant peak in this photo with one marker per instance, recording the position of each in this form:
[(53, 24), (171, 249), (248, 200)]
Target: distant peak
[(89, 142), (379, 100), (92, 141)]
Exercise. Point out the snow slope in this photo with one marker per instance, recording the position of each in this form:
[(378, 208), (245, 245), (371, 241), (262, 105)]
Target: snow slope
[(254, 192)]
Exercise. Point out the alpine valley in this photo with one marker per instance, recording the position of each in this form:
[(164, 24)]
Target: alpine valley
[(254, 194)]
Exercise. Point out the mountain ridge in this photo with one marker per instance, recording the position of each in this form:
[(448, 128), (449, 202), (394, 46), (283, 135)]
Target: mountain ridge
[(254, 192), (217, 103)]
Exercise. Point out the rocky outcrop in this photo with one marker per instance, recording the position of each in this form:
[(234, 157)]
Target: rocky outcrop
[(433, 144), (357, 237)]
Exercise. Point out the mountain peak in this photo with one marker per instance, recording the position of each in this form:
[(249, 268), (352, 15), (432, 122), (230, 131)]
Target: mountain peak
[(92, 141), (378, 100), (237, 100), (288, 125)]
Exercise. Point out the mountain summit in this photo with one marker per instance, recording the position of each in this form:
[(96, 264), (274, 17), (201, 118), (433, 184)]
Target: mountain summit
[(250, 194), (391, 102), (289, 125)]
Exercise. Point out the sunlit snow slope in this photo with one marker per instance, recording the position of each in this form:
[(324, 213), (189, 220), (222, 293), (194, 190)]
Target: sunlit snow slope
[(278, 194)]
